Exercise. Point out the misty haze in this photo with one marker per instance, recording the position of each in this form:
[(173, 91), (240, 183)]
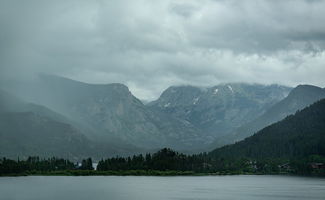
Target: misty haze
[(165, 99)]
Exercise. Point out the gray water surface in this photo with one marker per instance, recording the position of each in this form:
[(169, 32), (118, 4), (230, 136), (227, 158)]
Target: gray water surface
[(161, 188)]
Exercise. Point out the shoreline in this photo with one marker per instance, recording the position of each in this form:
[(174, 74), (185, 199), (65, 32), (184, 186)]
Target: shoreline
[(142, 173)]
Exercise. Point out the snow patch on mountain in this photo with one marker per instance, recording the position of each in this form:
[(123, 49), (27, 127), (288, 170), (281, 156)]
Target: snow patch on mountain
[(167, 105), (195, 100), (230, 88)]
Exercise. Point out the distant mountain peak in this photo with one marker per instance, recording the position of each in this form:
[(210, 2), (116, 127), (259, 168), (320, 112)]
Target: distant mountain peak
[(57, 79), (306, 87), (307, 91)]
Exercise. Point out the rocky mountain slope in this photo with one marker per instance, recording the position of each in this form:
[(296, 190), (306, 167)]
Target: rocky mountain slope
[(218, 110), (109, 112)]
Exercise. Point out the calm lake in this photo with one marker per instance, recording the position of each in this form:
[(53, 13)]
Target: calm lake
[(161, 188)]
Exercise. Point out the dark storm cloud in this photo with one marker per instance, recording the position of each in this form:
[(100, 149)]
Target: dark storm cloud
[(150, 45)]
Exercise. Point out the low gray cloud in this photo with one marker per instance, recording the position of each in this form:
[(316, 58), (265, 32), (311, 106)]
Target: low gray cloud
[(150, 45)]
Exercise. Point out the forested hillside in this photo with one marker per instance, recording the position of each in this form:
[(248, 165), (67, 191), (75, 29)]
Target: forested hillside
[(298, 135)]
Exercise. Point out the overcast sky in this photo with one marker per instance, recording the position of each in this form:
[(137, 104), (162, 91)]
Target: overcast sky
[(152, 44)]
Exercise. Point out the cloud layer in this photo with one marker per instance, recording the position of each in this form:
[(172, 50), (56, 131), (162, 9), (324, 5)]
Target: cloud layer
[(150, 45)]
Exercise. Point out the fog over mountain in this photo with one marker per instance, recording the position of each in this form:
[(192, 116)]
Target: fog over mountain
[(120, 77), (151, 45), (162, 99)]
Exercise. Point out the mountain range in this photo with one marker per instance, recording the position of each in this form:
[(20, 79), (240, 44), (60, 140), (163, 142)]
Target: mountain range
[(75, 119), (219, 110), (109, 113)]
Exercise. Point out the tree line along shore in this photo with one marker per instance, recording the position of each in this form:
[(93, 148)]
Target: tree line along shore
[(165, 162)]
